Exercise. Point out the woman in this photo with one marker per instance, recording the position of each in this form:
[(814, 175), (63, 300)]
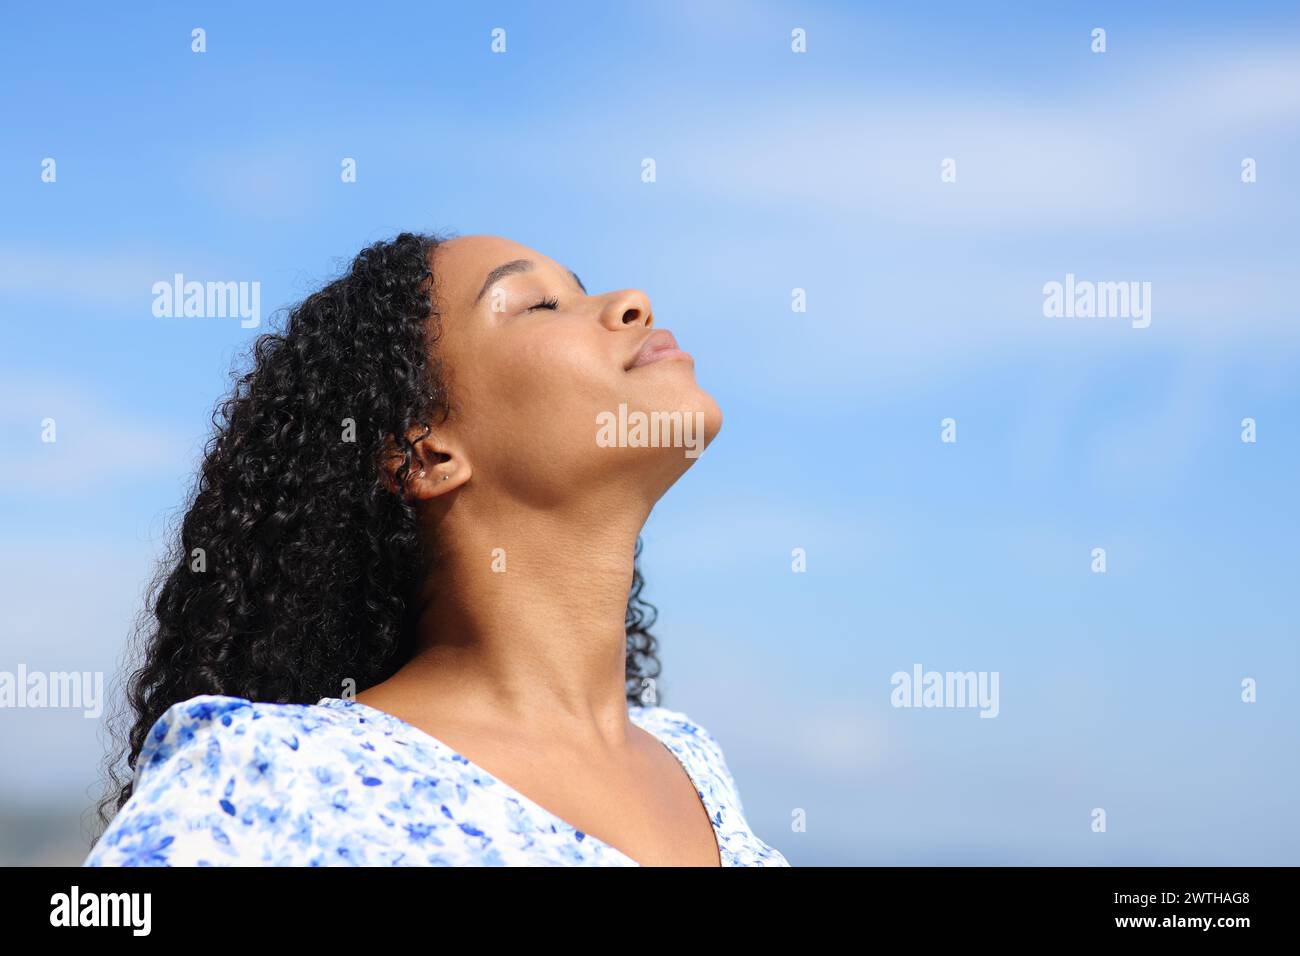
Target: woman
[(408, 495)]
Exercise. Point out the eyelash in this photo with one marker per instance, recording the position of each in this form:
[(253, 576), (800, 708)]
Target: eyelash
[(551, 303)]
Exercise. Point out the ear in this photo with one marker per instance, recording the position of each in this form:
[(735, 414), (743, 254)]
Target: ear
[(437, 464)]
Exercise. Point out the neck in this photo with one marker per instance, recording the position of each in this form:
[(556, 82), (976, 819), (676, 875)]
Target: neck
[(525, 614)]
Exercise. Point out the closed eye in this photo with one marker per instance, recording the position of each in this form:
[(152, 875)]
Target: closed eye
[(552, 303)]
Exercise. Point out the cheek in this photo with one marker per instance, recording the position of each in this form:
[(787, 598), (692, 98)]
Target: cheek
[(557, 370), (546, 391)]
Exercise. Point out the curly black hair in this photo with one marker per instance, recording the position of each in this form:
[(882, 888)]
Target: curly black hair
[(295, 564)]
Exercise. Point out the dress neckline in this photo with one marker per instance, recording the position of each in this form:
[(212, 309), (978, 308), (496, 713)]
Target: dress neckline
[(638, 714)]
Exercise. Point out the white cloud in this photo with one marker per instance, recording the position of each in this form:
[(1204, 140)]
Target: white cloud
[(1119, 154)]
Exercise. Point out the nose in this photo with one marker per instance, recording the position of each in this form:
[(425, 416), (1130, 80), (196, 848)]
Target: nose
[(627, 309)]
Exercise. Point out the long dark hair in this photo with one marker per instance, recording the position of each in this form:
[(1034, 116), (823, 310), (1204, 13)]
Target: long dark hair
[(294, 565)]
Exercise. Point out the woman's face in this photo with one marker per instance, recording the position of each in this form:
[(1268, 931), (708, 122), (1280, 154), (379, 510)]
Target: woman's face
[(538, 368)]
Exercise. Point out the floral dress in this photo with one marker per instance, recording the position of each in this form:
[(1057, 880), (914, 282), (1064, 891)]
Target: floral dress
[(223, 781)]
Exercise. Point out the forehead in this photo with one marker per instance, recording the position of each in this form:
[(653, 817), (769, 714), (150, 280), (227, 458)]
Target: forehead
[(463, 263)]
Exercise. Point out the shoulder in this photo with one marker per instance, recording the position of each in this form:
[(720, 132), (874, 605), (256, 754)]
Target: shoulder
[(225, 781), (216, 783), (217, 725), (673, 722), (701, 753), (690, 740), (185, 721)]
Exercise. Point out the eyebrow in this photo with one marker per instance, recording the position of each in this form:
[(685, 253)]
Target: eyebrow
[(512, 267)]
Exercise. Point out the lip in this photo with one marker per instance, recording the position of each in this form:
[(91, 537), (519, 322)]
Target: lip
[(659, 344)]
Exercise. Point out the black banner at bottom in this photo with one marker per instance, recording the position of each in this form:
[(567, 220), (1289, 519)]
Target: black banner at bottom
[(338, 904)]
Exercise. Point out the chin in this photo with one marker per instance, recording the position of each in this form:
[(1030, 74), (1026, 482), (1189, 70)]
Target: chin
[(712, 416), (674, 423), (704, 413)]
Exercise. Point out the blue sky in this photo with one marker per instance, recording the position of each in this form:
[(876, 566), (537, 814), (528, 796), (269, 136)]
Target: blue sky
[(775, 171)]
